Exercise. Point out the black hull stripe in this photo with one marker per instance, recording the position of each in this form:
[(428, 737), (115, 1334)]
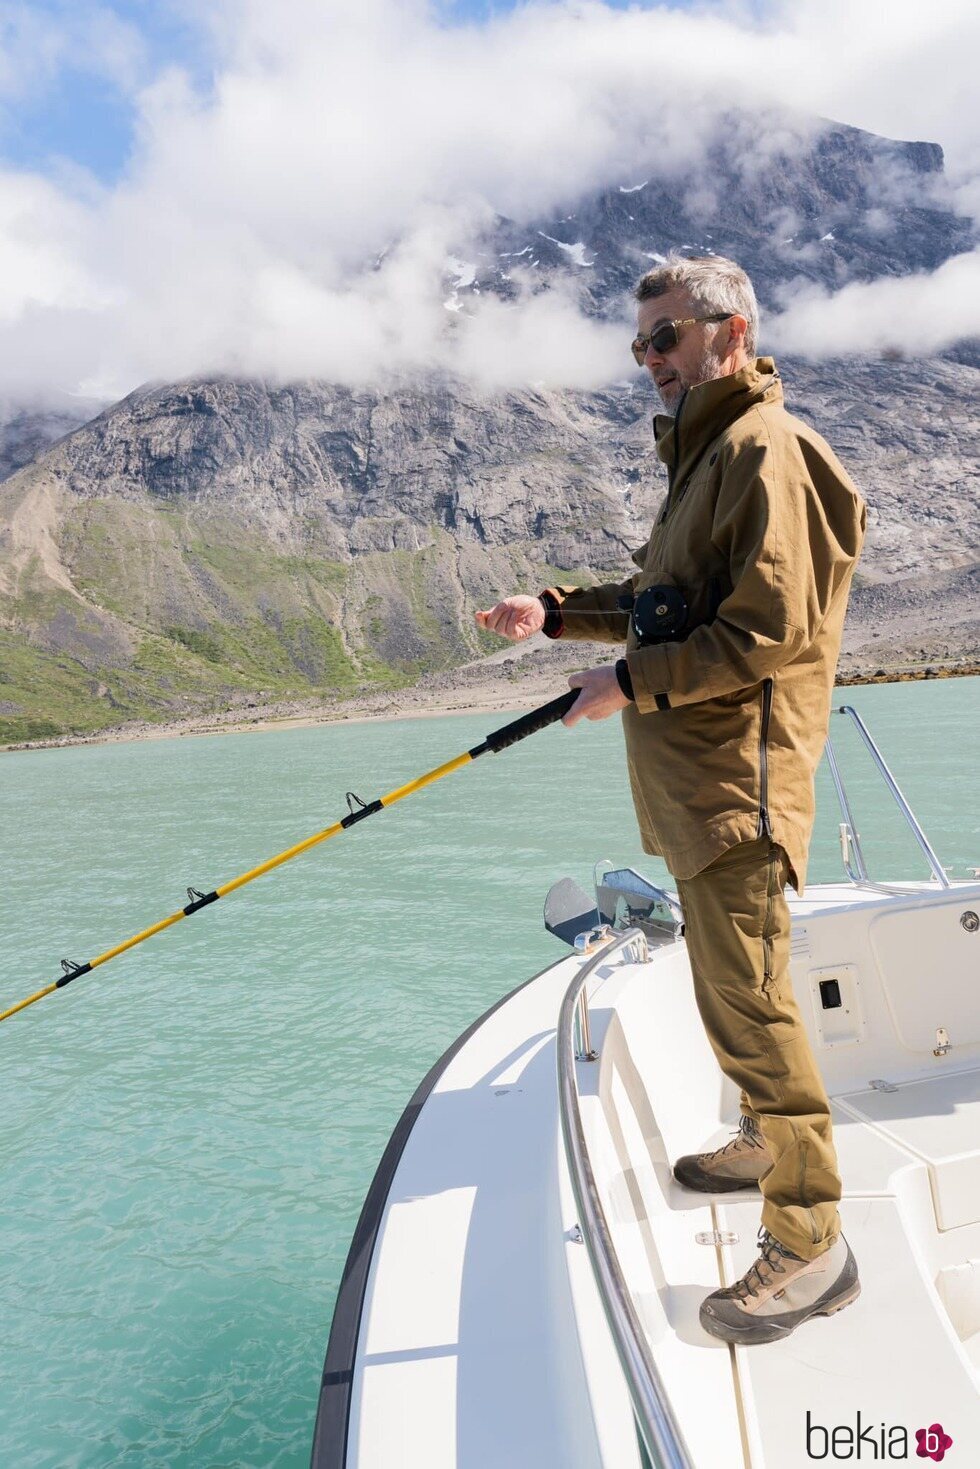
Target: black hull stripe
[(336, 1385)]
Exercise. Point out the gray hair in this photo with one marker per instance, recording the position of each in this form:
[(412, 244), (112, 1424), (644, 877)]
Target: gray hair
[(713, 283)]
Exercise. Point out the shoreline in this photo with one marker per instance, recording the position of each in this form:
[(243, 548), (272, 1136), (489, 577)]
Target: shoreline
[(487, 696), (206, 725)]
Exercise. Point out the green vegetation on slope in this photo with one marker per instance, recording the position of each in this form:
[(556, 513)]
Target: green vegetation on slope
[(180, 610)]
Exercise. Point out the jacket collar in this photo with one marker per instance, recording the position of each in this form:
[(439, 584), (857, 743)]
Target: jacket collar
[(707, 410)]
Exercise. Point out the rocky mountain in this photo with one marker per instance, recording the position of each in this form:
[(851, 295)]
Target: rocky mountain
[(28, 428), (790, 201), (213, 538)]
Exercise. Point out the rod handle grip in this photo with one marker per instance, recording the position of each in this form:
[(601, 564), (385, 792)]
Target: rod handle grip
[(529, 724)]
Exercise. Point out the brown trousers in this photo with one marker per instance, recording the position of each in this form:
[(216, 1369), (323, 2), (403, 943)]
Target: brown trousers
[(738, 934)]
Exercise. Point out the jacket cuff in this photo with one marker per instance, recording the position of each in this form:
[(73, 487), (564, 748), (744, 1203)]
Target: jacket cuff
[(554, 623), (624, 680), (650, 675)]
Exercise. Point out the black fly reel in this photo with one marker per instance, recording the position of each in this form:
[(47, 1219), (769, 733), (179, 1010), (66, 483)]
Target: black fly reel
[(658, 614)]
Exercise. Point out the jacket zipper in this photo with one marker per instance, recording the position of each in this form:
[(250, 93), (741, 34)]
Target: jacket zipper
[(671, 499), (677, 444), (765, 825), (672, 470)]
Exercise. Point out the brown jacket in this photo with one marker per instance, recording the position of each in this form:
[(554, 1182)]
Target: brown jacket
[(760, 531)]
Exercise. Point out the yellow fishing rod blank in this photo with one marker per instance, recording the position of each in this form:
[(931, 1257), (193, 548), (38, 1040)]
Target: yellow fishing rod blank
[(358, 810)]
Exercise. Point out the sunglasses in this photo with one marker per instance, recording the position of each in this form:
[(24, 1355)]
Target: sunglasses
[(667, 335)]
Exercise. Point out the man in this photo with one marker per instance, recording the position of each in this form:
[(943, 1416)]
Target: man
[(725, 694)]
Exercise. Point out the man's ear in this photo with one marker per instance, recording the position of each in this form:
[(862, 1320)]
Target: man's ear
[(737, 327)]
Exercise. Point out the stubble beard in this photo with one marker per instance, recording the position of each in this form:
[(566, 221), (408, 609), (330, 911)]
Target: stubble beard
[(706, 369)]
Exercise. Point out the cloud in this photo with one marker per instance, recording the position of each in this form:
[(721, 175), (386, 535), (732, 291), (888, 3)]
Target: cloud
[(295, 216), (915, 314), (38, 267)]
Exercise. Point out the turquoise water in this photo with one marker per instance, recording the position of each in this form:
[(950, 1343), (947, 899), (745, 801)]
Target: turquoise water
[(187, 1134)]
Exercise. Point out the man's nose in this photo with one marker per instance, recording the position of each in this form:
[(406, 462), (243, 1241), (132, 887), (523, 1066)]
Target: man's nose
[(652, 358)]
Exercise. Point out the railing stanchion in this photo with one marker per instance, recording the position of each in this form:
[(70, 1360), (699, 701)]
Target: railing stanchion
[(936, 866), (657, 1426)]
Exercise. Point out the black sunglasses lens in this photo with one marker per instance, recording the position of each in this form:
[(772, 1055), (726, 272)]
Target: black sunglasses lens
[(664, 337), (661, 340)]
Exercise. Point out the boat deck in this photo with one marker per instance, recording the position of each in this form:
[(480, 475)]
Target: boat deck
[(907, 1352), (893, 1355), (482, 1338)]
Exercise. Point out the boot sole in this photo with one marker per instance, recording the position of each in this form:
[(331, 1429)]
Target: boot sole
[(706, 1184), (757, 1334)]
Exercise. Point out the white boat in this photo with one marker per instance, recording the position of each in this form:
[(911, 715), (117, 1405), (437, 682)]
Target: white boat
[(524, 1282)]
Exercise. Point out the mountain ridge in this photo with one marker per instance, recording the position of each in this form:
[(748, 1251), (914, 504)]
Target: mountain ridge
[(204, 540)]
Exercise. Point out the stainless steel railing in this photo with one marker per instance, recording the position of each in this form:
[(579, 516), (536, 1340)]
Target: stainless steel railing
[(857, 869), (656, 1424)]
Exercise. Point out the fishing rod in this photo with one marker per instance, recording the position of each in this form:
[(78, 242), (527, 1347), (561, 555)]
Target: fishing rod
[(357, 810)]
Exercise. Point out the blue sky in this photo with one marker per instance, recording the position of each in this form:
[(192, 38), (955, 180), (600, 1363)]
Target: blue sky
[(78, 108)]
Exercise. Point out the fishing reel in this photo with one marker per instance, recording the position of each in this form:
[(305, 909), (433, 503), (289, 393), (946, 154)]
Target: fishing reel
[(657, 615)]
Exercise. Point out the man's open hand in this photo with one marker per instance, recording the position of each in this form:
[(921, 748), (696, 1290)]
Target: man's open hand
[(515, 618), (600, 696)]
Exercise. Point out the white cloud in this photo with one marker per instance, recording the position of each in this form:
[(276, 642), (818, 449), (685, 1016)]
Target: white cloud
[(545, 338), (38, 267), (246, 233), (916, 314)]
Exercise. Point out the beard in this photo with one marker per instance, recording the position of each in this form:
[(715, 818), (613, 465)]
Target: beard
[(707, 367)]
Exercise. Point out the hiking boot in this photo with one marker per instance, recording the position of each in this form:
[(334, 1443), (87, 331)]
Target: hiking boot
[(739, 1164), (781, 1291)]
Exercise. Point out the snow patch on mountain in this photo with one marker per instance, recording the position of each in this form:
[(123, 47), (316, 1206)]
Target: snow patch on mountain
[(575, 253), (462, 273)]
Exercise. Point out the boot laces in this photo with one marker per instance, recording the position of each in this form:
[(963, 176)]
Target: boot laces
[(746, 1129), (771, 1256)]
